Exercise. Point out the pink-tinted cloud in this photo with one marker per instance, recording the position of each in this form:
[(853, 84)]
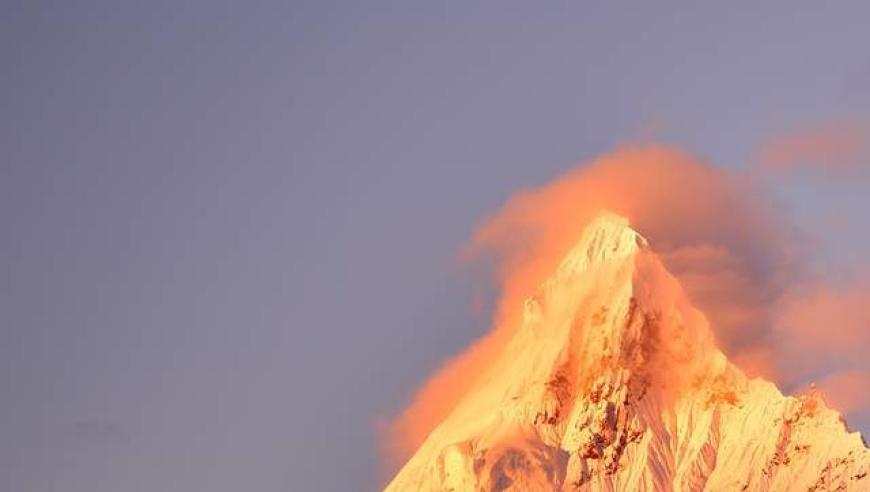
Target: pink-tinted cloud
[(833, 319), (846, 390), (713, 230), (727, 245), (838, 146), (823, 326)]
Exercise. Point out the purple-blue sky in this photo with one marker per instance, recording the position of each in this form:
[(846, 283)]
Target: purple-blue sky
[(229, 229)]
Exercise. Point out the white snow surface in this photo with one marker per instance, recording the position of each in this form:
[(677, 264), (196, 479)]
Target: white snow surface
[(614, 383)]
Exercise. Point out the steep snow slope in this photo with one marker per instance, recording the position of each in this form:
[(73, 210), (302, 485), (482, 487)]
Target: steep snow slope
[(614, 383)]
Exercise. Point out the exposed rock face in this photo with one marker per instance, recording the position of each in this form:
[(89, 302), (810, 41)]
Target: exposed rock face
[(614, 383)]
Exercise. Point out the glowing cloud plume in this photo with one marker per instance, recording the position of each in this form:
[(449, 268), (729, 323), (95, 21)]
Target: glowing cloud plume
[(723, 242), (611, 380)]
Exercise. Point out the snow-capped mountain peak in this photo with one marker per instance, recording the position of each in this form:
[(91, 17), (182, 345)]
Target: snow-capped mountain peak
[(613, 382)]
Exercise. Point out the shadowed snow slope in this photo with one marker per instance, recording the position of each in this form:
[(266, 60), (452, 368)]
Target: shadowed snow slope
[(613, 382)]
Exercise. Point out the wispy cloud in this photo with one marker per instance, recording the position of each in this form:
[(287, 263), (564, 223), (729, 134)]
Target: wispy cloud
[(833, 146), (101, 431)]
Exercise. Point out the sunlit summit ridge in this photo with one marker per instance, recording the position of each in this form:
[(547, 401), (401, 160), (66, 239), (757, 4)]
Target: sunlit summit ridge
[(613, 382)]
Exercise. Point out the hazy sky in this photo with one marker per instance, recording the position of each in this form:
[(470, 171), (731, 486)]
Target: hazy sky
[(229, 229)]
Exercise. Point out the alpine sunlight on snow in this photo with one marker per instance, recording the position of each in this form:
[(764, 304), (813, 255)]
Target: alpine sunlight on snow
[(614, 382)]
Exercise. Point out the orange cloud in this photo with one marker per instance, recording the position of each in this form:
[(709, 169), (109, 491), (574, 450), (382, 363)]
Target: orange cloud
[(829, 318), (846, 390), (823, 326), (713, 230), (834, 146)]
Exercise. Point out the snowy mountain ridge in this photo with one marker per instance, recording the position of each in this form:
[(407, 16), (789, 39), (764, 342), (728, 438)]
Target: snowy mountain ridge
[(613, 382)]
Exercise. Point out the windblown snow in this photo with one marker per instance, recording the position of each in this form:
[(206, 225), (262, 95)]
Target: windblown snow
[(613, 382)]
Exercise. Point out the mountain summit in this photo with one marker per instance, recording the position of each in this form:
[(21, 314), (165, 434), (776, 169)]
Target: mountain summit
[(613, 382)]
